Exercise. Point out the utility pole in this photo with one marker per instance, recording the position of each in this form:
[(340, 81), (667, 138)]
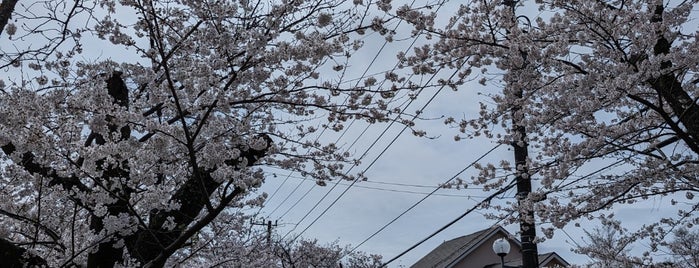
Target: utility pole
[(527, 228), (269, 228)]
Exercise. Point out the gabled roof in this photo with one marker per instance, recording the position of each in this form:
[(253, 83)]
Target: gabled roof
[(545, 258), (453, 250)]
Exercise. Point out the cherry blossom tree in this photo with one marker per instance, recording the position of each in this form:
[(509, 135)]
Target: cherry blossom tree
[(610, 246), (250, 248), (135, 132), (309, 253), (684, 248), (606, 91)]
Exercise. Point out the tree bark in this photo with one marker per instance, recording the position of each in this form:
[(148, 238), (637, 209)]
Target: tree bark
[(107, 255), (6, 9), (14, 256), (670, 89), (147, 244)]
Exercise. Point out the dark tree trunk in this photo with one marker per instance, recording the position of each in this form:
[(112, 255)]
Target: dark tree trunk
[(152, 244), (6, 9), (107, 255), (670, 90)]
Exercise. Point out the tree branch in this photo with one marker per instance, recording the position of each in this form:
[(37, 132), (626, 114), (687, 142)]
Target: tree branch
[(148, 244), (15, 256)]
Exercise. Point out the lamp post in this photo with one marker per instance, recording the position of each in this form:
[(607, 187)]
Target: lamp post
[(502, 248)]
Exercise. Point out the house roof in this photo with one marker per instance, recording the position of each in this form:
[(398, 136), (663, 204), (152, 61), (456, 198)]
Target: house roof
[(452, 250), (544, 260)]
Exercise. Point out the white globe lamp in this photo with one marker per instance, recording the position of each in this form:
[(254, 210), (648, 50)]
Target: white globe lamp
[(501, 248)]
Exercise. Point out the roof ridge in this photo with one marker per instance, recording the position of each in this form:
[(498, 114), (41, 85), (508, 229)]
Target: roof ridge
[(477, 237)]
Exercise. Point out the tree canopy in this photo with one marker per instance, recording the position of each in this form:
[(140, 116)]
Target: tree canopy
[(135, 132), (606, 90)]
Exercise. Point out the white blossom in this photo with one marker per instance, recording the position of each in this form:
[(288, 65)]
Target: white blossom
[(158, 120)]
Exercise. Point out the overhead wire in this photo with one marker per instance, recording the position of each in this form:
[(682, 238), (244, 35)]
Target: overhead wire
[(287, 196), (333, 187), (485, 200), (371, 146), (402, 191), (362, 77), (574, 242), (274, 193), (425, 197), (380, 181), (297, 201), (351, 123), (377, 157)]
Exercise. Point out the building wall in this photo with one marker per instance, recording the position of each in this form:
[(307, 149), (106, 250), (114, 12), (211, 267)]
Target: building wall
[(484, 254)]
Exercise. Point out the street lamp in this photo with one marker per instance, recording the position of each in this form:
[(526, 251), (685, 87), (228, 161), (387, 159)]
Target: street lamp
[(502, 248)]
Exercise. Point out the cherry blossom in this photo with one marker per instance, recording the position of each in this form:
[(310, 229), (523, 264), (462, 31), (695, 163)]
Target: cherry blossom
[(606, 90), (134, 132)]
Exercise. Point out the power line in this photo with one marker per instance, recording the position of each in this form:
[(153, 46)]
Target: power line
[(287, 197), (275, 192), (433, 193), (376, 140), (335, 185), (575, 242), (296, 203), (486, 200), (362, 133), (337, 182), (403, 191), (358, 80), (376, 158), (424, 198), (380, 181), (405, 184), (373, 144)]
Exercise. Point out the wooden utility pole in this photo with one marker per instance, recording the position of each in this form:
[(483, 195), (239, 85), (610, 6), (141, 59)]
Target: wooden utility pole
[(269, 229), (527, 228)]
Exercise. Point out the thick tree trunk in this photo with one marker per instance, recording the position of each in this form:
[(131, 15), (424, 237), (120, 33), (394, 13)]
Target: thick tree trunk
[(15, 256), (6, 9), (148, 245), (670, 89), (107, 255)]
